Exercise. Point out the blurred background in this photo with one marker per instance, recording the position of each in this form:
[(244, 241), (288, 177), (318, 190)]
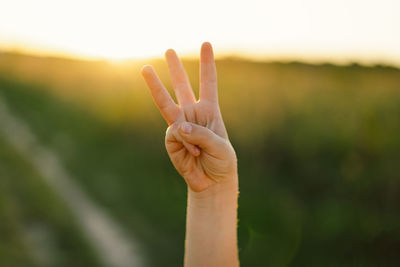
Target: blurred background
[(310, 94)]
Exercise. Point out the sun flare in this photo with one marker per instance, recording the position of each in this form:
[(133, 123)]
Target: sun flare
[(365, 30)]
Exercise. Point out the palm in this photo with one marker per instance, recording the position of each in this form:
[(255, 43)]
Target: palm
[(204, 113), (200, 170)]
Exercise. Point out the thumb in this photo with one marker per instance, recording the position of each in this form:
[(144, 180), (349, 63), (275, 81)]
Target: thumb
[(201, 137)]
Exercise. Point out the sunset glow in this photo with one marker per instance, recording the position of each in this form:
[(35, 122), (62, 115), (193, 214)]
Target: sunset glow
[(311, 29)]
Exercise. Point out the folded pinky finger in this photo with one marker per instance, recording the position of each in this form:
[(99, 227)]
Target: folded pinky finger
[(193, 149)]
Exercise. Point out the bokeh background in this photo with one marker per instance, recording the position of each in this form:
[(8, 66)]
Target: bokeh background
[(310, 94)]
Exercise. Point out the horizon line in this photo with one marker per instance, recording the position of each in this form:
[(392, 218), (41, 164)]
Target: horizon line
[(254, 57)]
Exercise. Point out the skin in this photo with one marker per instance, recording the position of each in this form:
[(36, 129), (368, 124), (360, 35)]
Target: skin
[(198, 145)]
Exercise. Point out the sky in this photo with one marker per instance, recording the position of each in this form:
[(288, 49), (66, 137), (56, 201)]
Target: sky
[(321, 30)]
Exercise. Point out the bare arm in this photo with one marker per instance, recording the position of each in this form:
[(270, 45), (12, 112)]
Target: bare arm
[(199, 148), (211, 229)]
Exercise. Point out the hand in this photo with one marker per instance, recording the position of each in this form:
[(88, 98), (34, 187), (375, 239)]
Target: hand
[(196, 140)]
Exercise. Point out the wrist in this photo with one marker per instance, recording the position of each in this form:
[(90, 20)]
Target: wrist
[(219, 194)]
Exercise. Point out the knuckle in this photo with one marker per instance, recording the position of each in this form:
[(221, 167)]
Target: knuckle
[(171, 130)]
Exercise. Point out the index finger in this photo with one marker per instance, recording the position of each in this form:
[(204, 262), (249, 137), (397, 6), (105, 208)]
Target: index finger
[(169, 110)]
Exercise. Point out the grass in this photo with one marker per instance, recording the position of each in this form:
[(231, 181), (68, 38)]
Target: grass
[(36, 227), (317, 144)]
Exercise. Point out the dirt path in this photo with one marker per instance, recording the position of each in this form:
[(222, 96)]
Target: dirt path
[(105, 235)]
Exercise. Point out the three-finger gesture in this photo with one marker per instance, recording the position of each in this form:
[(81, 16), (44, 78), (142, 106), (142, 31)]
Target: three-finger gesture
[(196, 140)]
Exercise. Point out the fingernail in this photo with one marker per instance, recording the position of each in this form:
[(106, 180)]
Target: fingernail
[(186, 127)]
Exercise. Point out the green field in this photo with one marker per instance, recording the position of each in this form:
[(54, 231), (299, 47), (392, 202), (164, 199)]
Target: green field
[(36, 227), (318, 149)]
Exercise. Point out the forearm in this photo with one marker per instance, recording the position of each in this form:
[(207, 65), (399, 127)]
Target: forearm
[(211, 226)]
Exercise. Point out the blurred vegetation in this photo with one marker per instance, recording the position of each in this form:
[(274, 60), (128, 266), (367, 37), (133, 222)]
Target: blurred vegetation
[(318, 150), (36, 228)]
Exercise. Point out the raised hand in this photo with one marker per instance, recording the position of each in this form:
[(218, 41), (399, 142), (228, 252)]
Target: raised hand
[(199, 148), (196, 140)]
